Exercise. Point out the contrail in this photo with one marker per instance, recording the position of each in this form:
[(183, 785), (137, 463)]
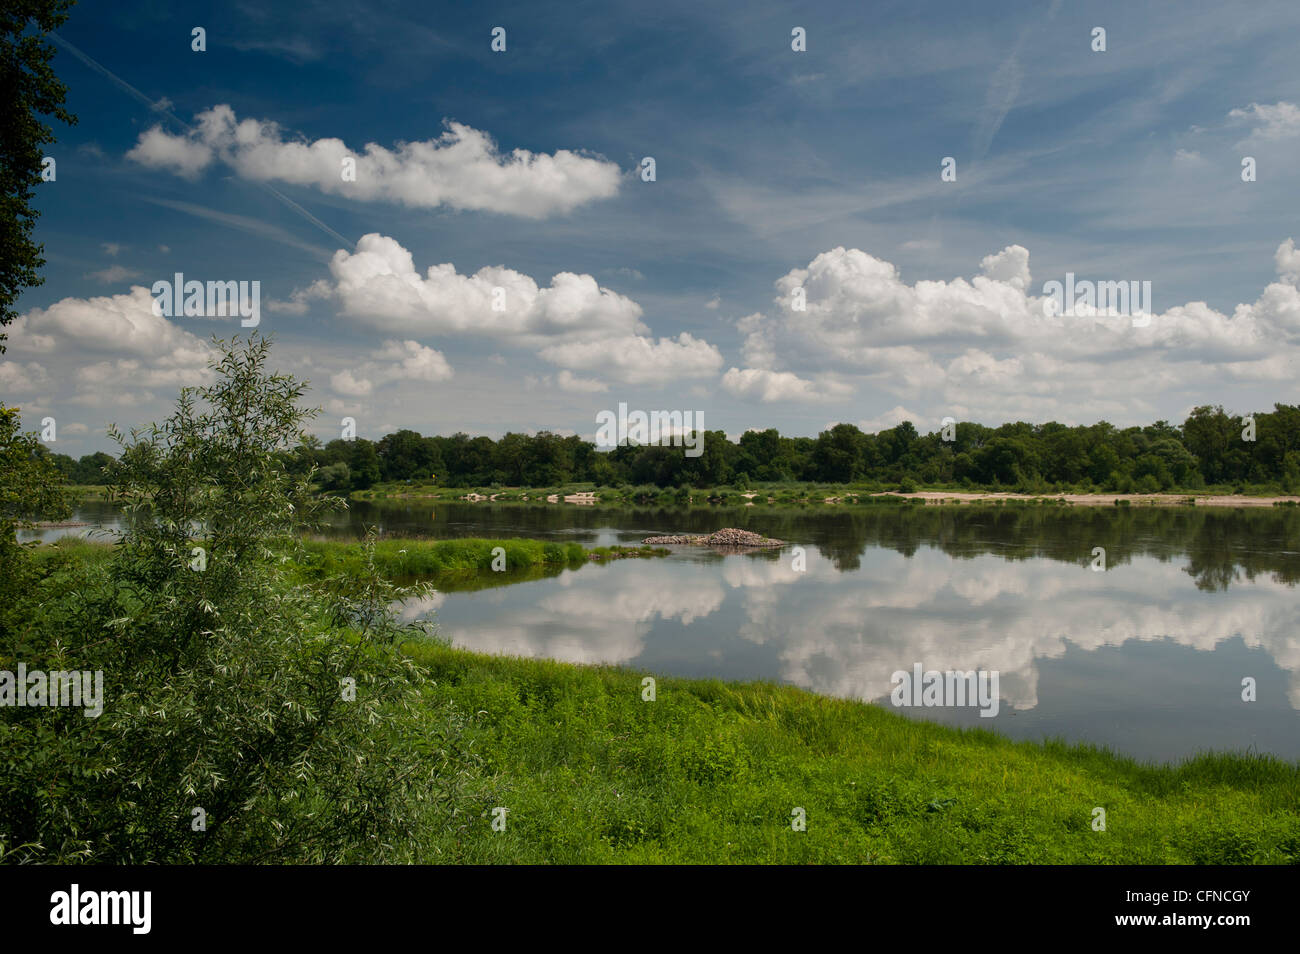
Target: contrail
[(158, 107), (305, 214), (123, 84)]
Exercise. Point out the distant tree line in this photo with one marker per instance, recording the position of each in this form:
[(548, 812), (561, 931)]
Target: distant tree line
[(1208, 449), (88, 470)]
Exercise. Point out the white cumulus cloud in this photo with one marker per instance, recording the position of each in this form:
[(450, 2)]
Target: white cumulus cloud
[(462, 168), (985, 347), (768, 386), (572, 323), (103, 352)]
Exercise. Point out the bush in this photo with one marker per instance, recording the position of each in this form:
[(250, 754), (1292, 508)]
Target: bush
[(283, 716), (1147, 484), (30, 487)]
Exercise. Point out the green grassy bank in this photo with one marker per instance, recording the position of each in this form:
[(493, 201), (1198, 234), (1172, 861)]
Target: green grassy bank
[(711, 772), (87, 491)]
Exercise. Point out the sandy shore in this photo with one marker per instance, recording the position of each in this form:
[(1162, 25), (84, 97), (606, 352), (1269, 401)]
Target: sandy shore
[(1103, 500), (958, 496)]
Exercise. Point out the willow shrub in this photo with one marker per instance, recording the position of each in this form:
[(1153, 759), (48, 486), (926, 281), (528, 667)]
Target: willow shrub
[(248, 717)]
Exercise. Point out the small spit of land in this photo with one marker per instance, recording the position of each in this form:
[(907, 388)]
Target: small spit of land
[(461, 564)]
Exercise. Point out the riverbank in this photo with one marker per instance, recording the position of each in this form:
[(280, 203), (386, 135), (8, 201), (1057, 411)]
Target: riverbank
[(593, 767), (591, 772), (806, 495), (87, 491), (1109, 500), (782, 495)]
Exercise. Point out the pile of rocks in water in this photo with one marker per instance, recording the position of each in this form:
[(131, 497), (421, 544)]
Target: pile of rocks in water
[(728, 537)]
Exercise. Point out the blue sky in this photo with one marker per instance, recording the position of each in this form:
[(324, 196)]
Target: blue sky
[(776, 170)]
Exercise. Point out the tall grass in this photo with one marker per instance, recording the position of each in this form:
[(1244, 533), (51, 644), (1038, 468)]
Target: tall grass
[(711, 772)]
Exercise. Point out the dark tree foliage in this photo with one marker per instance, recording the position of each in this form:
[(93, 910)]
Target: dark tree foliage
[(29, 90), (1209, 449), (30, 488)]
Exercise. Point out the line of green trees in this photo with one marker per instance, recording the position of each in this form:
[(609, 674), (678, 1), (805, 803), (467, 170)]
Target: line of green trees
[(88, 470), (1210, 448)]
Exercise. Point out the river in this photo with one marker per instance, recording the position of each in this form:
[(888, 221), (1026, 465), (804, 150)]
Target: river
[(1147, 648)]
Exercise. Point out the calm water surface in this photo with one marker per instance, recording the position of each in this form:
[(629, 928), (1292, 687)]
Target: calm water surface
[(1147, 657)]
